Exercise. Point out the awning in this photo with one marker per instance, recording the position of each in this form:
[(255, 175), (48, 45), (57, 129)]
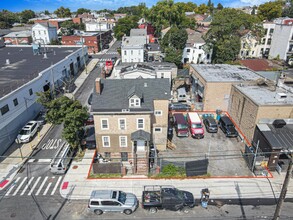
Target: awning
[(140, 135), (24, 41), (7, 42)]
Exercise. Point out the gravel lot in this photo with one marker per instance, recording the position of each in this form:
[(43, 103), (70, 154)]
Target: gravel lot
[(224, 154)]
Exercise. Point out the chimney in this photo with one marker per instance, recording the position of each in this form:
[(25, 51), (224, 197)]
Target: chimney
[(98, 86)]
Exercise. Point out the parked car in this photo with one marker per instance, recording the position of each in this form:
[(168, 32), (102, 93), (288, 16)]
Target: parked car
[(156, 197), (27, 133), (112, 201), (195, 125), (181, 126), (227, 127), (179, 107), (211, 125)]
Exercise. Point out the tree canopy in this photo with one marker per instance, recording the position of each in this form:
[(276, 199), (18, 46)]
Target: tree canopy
[(68, 27), (270, 10), (7, 18), (26, 15), (82, 10), (67, 111), (63, 12), (124, 25), (227, 27), (138, 10)]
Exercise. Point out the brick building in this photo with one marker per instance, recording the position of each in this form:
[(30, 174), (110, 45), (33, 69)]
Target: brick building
[(91, 40), (18, 38)]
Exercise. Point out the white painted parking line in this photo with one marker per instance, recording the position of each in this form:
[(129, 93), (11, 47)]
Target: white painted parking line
[(34, 186), (25, 188), (18, 188), (44, 160), (11, 188), (47, 189), (42, 185), (58, 181), (31, 160)]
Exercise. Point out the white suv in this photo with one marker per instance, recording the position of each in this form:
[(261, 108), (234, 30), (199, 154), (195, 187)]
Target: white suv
[(27, 133)]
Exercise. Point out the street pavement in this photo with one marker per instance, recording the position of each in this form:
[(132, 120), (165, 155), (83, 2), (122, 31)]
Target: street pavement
[(76, 185)]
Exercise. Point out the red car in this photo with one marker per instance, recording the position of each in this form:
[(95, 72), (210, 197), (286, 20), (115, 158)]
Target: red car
[(90, 120)]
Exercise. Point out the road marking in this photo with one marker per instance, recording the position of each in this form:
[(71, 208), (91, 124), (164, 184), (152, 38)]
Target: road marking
[(44, 160), (18, 188), (25, 188), (58, 181), (34, 186), (9, 191), (42, 185), (48, 187)]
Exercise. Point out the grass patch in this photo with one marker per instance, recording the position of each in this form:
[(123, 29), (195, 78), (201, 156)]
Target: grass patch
[(105, 175), (79, 155)]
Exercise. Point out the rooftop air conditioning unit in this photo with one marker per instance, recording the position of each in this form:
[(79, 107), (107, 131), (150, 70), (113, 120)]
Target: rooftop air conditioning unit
[(281, 96)]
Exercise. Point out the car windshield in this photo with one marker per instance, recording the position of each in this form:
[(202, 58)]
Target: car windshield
[(213, 125), (122, 197), (196, 126), (24, 132), (182, 126)]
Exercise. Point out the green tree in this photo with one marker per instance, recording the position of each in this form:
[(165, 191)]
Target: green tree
[(124, 25), (220, 6), (46, 12), (7, 18), (288, 9), (26, 15), (186, 7), (63, 12), (227, 27), (202, 9), (67, 111), (82, 10), (68, 27), (270, 10), (138, 10)]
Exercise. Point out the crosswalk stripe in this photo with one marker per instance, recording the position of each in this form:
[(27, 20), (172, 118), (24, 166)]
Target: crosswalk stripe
[(34, 186), (18, 188), (58, 181), (9, 191), (44, 160), (42, 185), (25, 188), (47, 189)]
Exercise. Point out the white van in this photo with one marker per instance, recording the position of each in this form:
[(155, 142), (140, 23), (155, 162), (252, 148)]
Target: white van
[(61, 161), (181, 95)]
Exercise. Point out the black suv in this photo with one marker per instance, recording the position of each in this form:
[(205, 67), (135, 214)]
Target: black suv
[(211, 125), (228, 127)]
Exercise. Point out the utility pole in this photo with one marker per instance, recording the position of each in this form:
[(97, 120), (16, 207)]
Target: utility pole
[(284, 190)]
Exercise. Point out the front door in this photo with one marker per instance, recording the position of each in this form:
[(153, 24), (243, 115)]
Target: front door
[(140, 145)]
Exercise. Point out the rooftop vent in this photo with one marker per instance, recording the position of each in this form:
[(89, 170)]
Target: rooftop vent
[(279, 123), (45, 56), (125, 110), (7, 61), (281, 96), (145, 85)]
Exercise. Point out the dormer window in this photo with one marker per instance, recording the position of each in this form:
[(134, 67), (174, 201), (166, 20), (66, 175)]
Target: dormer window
[(134, 102)]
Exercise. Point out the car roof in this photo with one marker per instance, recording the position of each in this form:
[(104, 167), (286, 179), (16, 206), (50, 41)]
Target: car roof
[(102, 194), (29, 125)]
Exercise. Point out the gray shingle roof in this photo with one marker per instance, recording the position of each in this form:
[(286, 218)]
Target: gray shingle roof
[(114, 95), (138, 32), (141, 135)]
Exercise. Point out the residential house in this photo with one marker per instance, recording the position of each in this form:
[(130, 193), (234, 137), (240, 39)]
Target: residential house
[(138, 32), (44, 33), (145, 70), (86, 17), (194, 49), (150, 31), (154, 52), (130, 116), (93, 41), (118, 16), (18, 38), (211, 84), (133, 49), (94, 26), (53, 22), (282, 39)]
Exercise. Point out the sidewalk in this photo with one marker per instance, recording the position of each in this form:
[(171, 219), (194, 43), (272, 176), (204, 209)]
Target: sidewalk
[(75, 184), (11, 164)]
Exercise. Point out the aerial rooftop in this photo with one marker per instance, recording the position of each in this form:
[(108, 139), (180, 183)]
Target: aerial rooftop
[(25, 66), (264, 96), (225, 73)]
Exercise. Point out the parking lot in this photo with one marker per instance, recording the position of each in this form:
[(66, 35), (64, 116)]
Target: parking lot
[(223, 154)]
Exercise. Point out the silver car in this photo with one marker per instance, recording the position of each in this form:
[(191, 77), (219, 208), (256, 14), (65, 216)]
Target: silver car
[(112, 201)]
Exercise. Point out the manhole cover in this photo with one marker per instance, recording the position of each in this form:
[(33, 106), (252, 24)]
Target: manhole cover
[(75, 167)]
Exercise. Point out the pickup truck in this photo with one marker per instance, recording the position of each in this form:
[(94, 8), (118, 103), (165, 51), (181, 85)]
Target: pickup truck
[(156, 197)]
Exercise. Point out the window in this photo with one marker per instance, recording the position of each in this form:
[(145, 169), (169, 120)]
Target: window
[(104, 124), (39, 32), (122, 123), (124, 156), (123, 141), (140, 123), (4, 109), (263, 41), (131, 52), (34, 33), (31, 91), (158, 130), (272, 30), (134, 102), (106, 141), (15, 102), (188, 50), (110, 203), (45, 32), (266, 31), (124, 52), (95, 203), (107, 155), (162, 75), (199, 47), (158, 113), (269, 41)]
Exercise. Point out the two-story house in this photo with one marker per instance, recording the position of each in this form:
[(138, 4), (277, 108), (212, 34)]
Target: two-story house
[(44, 33), (133, 49), (130, 115)]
